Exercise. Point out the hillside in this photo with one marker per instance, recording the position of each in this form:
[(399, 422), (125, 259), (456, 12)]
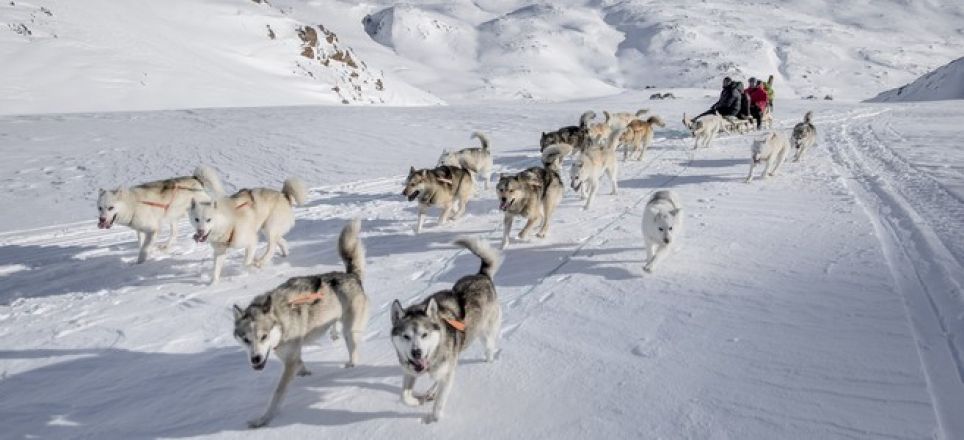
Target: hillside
[(947, 82)]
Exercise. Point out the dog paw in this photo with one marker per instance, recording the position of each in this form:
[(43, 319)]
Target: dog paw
[(411, 401), (541, 235), (648, 268), (431, 418), (258, 422), (349, 364)]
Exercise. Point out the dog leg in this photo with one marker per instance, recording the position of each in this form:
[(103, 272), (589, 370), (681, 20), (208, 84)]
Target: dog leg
[(335, 331), (302, 369), (355, 319), (421, 218), (219, 256), (429, 394), (446, 213), (283, 246), (657, 255), (269, 252), (408, 397), (170, 240), (592, 193), (547, 209), (780, 159), (530, 223), (749, 176), (506, 229), (249, 255), (491, 337), (146, 246), (291, 368), (612, 172), (140, 239), (444, 387), (650, 252)]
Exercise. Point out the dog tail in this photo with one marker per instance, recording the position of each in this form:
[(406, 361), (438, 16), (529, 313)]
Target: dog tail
[(209, 178), (641, 112), (482, 140), (351, 250), (587, 116), (294, 190), (655, 120), (490, 257), (808, 118)]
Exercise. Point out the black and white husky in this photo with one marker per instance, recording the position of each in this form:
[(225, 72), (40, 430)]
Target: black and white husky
[(477, 160), (804, 136), (429, 336)]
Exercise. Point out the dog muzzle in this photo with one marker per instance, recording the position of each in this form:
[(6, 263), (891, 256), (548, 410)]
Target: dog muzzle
[(102, 222), (419, 365), (411, 196), (576, 185), (201, 237), (504, 204)]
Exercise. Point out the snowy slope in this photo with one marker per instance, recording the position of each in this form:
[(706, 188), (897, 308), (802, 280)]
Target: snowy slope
[(823, 303), (947, 82), (104, 55)]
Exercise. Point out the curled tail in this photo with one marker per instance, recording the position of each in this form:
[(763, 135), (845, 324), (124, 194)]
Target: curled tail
[(351, 250), (655, 120), (587, 116), (641, 112), (209, 178), (482, 140), (808, 118), (490, 257), (294, 190)]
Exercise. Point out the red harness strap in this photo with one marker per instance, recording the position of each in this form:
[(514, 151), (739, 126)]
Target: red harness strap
[(309, 298), (456, 324), (166, 206)]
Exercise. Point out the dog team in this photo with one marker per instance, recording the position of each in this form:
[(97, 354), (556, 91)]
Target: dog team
[(428, 336)]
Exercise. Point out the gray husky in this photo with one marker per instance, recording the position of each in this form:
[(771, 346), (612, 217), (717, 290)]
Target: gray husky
[(302, 309), (575, 135), (804, 136), (429, 336), (534, 194), (148, 206), (442, 186), (476, 160)]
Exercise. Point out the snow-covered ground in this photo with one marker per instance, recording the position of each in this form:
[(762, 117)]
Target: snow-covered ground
[(946, 82), (823, 303)]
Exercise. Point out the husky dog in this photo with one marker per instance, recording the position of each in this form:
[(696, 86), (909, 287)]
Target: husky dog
[(441, 186), (772, 148), (733, 124), (639, 136), (588, 168), (620, 120), (534, 194), (572, 135), (146, 207), (234, 222), (301, 310), (476, 160), (661, 226), (704, 129), (429, 336), (766, 120), (804, 136)]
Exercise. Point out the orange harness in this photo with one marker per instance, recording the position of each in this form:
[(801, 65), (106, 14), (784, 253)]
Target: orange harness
[(456, 324), (166, 206), (308, 298)]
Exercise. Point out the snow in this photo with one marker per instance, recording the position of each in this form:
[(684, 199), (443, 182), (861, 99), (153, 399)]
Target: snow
[(822, 303), (947, 82)]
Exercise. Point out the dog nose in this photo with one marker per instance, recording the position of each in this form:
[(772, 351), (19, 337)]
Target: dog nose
[(666, 240), (417, 353), (256, 359)]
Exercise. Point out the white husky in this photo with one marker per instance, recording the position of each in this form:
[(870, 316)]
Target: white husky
[(773, 149), (234, 222), (587, 170), (704, 129), (661, 226), (146, 207), (476, 160)]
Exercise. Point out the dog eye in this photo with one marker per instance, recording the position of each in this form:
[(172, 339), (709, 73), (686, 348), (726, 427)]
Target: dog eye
[(110, 209), (670, 228), (264, 338), (660, 229), (197, 219), (208, 220), (406, 337), (424, 335), (246, 340)]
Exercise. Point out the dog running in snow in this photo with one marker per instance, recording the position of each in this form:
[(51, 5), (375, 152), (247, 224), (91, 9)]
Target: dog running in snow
[(588, 168), (574, 135), (704, 128), (443, 186), (234, 222), (429, 336), (661, 226), (773, 149), (477, 160), (533, 194), (638, 137), (300, 311), (804, 136), (146, 207)]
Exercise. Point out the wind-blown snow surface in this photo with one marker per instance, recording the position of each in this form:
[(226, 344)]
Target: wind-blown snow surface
[(947, 82), (823, 303)]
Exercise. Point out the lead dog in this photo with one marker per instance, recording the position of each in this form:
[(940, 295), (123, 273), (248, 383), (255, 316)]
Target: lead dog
[(442, 186), (301, 310), (576, 136), (704, 129), (773, 149), (234, 222), (661, 226), (639, 136), (534, 194), (146, 207), (429, 336), (588, 168), (476, 160), (804, 136)]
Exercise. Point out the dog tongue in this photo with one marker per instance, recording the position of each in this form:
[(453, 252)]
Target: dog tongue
[(199, 237), (420, 364)]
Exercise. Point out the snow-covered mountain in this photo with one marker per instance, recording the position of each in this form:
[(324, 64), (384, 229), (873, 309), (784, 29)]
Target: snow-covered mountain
[(947, 82)]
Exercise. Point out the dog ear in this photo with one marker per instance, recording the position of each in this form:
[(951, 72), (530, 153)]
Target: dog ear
[(397, 312), (676, 211), (101, 191), (194, 205), (237, 312), (411, 171), (266, 305), (432, 309)]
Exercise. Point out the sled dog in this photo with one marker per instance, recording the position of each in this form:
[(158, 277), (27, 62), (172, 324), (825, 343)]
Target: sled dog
[(146, 207), (429, 336), (441, 186), (773, 149), (301, 310), (619, 120), (661, 226), (573, 135), (588, 168), (639, 136), (533, 194), (804, 136), (234, 222), (477, 160), (704, 129)]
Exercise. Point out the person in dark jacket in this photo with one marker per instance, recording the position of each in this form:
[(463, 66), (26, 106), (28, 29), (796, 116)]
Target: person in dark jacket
[(729, 102)]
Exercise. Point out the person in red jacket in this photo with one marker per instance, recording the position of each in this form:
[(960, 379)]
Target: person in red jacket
[(758, 100)]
